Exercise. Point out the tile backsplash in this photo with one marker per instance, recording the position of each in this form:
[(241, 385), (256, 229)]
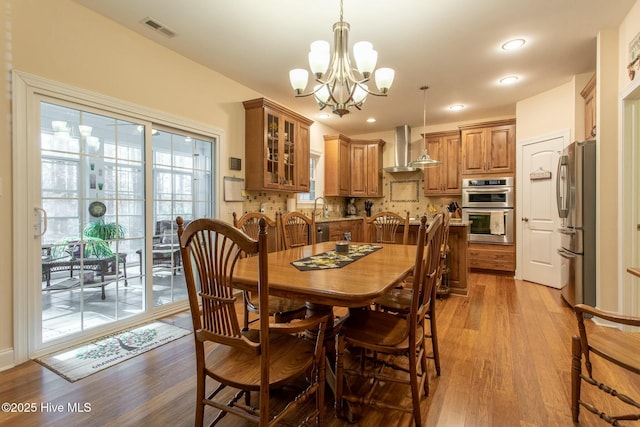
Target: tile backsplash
[(402, 192)]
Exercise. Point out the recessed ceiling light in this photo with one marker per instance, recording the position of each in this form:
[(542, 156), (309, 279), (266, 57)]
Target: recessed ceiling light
[(508, 80), (371, 120), (513, 44), (324, 115), (456, 107)]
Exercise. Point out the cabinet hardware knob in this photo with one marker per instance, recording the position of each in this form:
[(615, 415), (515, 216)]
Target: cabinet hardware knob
[(525, 219)]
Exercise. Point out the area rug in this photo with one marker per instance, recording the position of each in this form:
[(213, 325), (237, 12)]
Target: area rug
[(74, 364)]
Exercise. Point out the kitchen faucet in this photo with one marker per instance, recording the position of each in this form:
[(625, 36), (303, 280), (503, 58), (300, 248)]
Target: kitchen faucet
[(315, 204)]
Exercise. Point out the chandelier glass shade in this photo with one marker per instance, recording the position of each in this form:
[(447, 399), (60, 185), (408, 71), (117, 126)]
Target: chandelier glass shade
[(424, 160), (339, 85)]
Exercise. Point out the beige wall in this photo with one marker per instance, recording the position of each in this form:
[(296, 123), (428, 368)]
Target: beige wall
[(607, 125), (64, 42), (547, 112), (629, 28)]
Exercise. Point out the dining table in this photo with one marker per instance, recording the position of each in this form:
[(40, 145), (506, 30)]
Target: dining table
[(354, 285)]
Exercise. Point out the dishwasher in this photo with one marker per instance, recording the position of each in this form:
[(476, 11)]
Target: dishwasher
[(322, 232)]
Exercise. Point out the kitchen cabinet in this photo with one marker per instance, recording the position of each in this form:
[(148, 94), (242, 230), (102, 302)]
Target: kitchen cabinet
[(277, 147), (338, 228), (458, 260), (366, 168), (486, 256), (488, 148), (443, 180), (352, 167), (589, 96), (337, 175)]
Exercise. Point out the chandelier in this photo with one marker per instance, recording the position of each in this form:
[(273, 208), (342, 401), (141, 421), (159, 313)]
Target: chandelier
[(339, 85), (424, 160)]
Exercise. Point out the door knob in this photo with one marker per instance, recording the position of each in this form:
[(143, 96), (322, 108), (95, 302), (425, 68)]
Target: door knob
[(525, 219)]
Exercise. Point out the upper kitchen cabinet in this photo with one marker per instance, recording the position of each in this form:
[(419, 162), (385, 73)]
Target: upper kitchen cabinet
[(277, 147), (589, 95), (489, 148), (337, 176), (445, 179), (366, 167)]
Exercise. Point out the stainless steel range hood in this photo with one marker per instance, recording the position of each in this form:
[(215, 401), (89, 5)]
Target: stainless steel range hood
[(402, 153)]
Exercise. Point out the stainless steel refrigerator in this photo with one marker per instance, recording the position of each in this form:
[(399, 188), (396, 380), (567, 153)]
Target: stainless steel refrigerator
[(576, 199)]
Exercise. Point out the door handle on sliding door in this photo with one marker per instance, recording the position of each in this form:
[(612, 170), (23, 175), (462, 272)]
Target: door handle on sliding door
[(39, 232)]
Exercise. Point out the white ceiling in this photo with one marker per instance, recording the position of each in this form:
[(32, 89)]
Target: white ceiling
[(451, 45)]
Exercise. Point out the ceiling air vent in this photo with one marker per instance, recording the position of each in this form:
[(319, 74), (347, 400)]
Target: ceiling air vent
[(156, 26)]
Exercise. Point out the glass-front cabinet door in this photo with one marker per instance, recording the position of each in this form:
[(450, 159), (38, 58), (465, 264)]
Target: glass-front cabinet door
[(272, 157), (280, 155), (288, 155)]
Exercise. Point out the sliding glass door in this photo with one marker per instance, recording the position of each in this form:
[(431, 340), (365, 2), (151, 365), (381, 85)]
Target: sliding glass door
[(111, 187)]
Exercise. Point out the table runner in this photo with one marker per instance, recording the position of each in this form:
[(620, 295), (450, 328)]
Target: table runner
[(333, 259)]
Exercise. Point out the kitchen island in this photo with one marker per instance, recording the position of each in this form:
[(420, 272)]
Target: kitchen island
[(458, 274)]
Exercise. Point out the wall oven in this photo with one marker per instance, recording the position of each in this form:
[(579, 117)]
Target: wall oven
[(488, 204)]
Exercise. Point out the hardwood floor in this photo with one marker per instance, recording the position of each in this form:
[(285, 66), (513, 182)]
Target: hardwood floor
[(505, 356)]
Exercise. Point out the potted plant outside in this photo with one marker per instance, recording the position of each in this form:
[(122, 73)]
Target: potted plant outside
[(98, 236)]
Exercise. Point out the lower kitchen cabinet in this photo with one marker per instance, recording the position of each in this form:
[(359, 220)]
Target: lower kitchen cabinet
[(338, 228), (458, 260), (486, 256)]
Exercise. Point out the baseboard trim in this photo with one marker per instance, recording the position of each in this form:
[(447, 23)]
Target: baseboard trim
[(6, 359)]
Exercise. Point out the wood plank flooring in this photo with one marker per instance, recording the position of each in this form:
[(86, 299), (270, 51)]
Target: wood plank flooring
[(505, 356)]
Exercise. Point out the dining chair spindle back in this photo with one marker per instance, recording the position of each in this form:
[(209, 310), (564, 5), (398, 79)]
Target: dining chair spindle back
[(611, 346), (282, 309), (297, 230), (255, 361), (383, 226), (386, 335)]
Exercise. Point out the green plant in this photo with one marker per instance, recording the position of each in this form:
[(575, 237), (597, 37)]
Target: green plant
[(98, 235)]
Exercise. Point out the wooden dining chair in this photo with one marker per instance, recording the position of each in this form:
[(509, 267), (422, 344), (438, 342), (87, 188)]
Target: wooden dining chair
[(398, 300), (282, 309), (442, 286), (382, 227), (611, 346), (297, 229), (382, 337), (254, 361)]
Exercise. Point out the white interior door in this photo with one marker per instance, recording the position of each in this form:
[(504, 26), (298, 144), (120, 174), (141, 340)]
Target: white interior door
[(538, 217)]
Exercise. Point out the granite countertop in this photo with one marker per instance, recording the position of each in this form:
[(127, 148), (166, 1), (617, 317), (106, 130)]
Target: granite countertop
[(454, 222), (345, 218)]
